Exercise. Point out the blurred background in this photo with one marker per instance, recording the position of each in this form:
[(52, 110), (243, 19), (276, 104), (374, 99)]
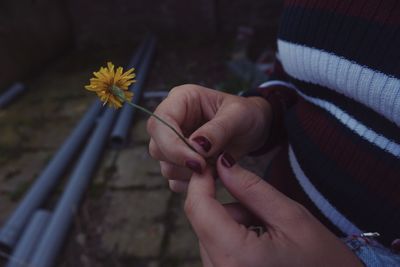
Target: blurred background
[(128, 216)]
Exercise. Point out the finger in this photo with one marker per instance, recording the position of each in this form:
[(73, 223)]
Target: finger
[(213, 225), (178, 186), (258, 196), (211, 138), (242, 215), (169, 170), (205, 259), (171, 147), (174, 172), (173, 111), (237, 122), (155, 152)]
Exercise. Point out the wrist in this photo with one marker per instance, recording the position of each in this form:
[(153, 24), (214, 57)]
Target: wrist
[(279, 99)]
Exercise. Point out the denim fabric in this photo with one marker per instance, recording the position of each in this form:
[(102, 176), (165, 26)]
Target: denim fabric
[(371, 253)]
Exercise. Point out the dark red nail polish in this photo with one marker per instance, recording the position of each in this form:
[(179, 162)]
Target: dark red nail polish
[(396, 245), (203, 142), (193, 165), (227, 160)]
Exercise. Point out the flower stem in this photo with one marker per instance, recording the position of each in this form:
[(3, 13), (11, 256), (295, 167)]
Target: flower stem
[(119, 93), (162, 121)]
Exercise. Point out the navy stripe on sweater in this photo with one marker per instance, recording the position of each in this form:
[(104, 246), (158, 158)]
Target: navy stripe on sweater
[(368, 117), (386, 13), (358, 158), (345, 36), (352, 198)]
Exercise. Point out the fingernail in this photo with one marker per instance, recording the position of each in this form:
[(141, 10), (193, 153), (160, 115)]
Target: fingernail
[(193, 165), (396, 245), (203, 142), (227, 160)]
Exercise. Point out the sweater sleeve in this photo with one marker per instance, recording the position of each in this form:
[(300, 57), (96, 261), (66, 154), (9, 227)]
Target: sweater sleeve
[(281, 95), (371, 253)]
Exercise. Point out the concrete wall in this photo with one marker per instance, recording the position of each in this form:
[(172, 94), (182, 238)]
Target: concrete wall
[(34, 31), (104, 22), (31, 33)]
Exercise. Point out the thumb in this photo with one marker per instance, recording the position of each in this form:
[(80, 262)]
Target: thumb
[(211, 138), (262, 199), (213, 225)]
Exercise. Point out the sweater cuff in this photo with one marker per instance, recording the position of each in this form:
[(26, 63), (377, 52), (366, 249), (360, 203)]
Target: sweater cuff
[(281, 96), (371, 253)]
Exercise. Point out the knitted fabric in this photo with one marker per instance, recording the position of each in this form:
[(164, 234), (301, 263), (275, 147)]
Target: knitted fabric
[(342, 59)]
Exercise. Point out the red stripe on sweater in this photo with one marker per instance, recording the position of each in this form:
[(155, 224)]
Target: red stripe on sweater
[(352, 155), (384, 11)]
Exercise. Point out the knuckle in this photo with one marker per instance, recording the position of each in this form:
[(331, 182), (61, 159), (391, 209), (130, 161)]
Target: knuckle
[(153, 150), (179, 88), (177, 186), (174, 188), (167, 170), (150, 125), (239, 105), (183, 89), (175, 89)]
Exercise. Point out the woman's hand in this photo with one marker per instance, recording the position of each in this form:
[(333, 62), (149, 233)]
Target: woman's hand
[(211, 120), (293, 236)]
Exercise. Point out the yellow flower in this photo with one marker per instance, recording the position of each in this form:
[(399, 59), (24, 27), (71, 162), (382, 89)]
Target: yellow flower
[(112, 86)]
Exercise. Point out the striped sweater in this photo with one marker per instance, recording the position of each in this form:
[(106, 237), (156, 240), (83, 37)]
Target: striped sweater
[(336, 99)]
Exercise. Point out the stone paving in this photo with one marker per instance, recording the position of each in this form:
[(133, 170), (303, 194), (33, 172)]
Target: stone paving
[(129, 217)]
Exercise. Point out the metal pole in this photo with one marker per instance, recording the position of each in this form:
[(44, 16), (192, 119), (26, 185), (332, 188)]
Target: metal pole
[(155, 94), (53, 237), (25, 247), (48, 179), (15, 90), (137, 58), (120, 131)]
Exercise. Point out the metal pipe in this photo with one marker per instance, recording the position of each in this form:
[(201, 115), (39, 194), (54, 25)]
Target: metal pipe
[(139, 53), (11, 93), (120, 131), (25, 247), (155, 94), (48, 179), (67, 206)]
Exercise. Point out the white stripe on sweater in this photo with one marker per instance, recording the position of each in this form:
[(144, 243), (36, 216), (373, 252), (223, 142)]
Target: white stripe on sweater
[(356, 126), (318, 199), (346, 119), (372, 88)]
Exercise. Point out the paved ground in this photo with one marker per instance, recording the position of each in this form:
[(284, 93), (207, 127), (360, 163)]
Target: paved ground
[(129, 217)]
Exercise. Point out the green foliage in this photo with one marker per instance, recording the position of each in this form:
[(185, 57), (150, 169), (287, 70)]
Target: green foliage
[(233, 85)]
